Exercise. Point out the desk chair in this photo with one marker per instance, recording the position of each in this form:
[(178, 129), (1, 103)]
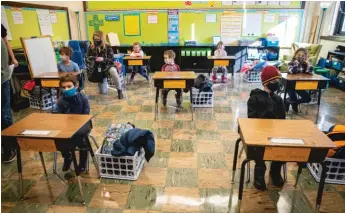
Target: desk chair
[(248, 168), (77, 57)]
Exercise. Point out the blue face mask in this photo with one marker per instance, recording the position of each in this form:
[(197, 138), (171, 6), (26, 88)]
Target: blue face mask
[(70, 92)]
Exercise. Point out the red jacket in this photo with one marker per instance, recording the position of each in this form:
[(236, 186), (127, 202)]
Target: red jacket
[(170, 68)]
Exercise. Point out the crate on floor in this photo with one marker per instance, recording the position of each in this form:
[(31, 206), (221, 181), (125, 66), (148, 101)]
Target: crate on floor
[(252, 76), (47, 102), (125, 167), (335, 173), (202, 99)]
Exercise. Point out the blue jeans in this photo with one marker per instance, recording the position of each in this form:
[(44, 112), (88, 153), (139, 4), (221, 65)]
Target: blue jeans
[(142, 72), (305, 97), (6, 114)]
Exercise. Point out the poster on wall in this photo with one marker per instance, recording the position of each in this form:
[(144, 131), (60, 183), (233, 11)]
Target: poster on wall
[(44, 22), (17, 17), (231, 26), (4, 22), (173, 29)]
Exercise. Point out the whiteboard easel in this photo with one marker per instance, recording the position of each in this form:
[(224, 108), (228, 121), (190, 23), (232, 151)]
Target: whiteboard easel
[(40, 55)]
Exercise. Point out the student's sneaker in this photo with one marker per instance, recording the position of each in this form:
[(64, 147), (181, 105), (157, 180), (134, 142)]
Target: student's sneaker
[(295, 107), (66, 164), (224, 79), (119, 94), (178, 99), (259, 178), (9, 157), (214, 78)]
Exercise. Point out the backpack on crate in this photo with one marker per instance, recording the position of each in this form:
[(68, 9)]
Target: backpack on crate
[(337, 134)]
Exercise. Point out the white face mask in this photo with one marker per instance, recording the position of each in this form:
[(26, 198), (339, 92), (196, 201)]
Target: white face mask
[(63, 57), (169, 61)]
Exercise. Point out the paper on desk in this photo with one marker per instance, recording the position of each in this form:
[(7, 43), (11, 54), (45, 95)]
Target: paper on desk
[(286, 140), (35, 132)]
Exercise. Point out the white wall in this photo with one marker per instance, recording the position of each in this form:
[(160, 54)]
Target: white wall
[(72, 7)]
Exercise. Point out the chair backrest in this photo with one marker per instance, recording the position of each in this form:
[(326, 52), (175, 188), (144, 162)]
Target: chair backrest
[(77, 55)]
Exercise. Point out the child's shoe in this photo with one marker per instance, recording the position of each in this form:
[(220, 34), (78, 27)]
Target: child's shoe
[(214, 78), (119, 94), (276, 177), (66, 164), (295, 107), (259, 178), (224, 79), (164, 98), (178, 99)]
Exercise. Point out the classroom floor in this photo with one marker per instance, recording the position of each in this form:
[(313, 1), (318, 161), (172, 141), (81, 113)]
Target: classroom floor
[(191, 170)]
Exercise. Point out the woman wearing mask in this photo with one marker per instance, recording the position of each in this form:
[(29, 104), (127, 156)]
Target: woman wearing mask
[(100, 63)]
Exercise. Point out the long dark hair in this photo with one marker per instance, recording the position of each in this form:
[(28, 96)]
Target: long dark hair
[(300, 50)]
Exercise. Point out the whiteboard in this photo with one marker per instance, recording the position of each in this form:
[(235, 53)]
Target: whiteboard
[(251, 24), (41, 55)]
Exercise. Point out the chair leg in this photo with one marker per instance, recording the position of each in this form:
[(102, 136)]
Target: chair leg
[(241, 151), (43, 164), (248, 172), (285, 172), (94, 141), (54, 162)]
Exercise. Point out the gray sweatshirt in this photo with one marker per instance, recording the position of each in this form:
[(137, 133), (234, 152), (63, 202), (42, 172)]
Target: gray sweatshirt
[(6, 72)]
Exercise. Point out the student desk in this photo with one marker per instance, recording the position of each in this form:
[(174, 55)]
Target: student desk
[(50, 80), (173, 80), (61, 128), (304, 82), (137, 61), (256, 133), (225, 61)]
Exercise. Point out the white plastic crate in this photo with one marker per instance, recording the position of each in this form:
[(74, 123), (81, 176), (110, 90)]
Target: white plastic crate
[(335, 173), (125, 167), (47, 103), (251, 76), (203, 99)]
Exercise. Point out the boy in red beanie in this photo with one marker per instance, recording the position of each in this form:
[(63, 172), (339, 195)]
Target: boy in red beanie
[(265, 104)]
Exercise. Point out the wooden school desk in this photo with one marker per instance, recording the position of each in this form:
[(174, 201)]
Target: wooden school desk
[(51, 80), (173, 80), (226, 61), (256, 135), (61, 128), (304, 82), (137, 61)]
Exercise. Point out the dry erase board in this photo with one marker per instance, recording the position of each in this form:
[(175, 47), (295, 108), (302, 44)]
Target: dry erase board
[(40, 55)]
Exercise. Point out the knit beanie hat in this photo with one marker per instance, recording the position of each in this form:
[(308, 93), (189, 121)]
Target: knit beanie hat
[(270, 73)]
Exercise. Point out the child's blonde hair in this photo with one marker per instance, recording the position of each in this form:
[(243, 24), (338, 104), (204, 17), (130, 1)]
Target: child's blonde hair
[(170, 54), (304, 50), (136, 43)]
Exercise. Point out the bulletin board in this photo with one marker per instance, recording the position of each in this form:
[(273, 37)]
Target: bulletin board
[(189, 5), (131, 24), (30, 26), (157, 34)]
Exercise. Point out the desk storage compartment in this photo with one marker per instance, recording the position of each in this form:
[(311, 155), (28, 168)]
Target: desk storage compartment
[(202, 99), (47, 102), (125, 167), (335, 173)]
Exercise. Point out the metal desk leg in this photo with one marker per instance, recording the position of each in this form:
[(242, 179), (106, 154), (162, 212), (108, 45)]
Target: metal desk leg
[(298, 173), (156, 105), (235, 159), (76, 168), (92, 155), (20, 174), (321, 186), (285, 172), (41, 101), (318, 106), (52, 100), (43, 164), (240, 190), (248, 172), (191, 103), (54, 163)]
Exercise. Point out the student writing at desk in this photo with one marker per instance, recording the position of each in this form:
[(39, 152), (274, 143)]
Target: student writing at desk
[(266, 104), (100, 63), (298, 64), (137, 52), (73, 102)]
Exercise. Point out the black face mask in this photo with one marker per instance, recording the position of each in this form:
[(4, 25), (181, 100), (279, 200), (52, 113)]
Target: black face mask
[(97, 43), (273, 86)]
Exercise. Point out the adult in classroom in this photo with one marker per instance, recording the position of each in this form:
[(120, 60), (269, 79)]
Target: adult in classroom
[(100, 64), (8, 155)]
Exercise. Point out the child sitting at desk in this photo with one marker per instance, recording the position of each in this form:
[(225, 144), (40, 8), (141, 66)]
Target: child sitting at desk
[(220, 52), (137, 52), (265, 104), (298, 64), (66, 65), (73, 102), (170, 66)]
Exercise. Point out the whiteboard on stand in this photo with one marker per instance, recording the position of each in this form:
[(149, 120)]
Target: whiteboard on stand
[(40, 55), (251, 24)]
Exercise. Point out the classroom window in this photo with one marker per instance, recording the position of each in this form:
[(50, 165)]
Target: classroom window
[(340, 23), (286, 31)]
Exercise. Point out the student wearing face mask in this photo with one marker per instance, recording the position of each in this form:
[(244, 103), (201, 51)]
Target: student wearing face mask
[(265, 104), (298, 64), (73, 102), (66, 65), (137, 52), (100, 64), (170, 66), (220, 52)]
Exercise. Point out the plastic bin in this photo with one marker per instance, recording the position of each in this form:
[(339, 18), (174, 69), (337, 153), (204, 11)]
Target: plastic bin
[(47, 103), (203, 99), (338, 65), (125, 167), (340, 83), (252, 76), (335, 173)]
